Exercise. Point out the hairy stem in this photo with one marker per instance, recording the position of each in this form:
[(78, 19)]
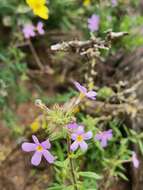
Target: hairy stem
[(72, 166), (106, 182)]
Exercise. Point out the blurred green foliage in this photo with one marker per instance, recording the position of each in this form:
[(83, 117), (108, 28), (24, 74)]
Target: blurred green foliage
[(12, 85)]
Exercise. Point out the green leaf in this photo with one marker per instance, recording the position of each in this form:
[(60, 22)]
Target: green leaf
[(62, 164), (140, 146), (58, 187), (122, 176), (90, 175)]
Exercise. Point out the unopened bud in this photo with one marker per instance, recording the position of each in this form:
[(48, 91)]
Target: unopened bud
[(38, 102)]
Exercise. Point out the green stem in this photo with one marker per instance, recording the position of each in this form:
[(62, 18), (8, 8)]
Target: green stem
[(71, 165)]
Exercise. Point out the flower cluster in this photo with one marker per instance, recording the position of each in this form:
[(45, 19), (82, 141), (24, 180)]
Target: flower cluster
[(79, 136), (29, 30), (39, 8)]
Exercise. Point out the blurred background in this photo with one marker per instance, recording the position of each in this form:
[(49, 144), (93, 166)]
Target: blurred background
[(30, 70)]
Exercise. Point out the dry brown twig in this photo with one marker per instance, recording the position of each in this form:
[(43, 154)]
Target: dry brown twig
[(92, 48), (89, 47), (126, 103)]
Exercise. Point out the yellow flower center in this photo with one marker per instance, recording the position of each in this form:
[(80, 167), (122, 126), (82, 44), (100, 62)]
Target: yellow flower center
[(81, 96), (79, 138), (76, 109), (39, 148)]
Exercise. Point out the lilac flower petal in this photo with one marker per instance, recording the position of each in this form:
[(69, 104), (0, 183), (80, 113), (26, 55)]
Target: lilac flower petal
[(98, 136), (28, 147), (80, 87), (73, 136), (104, 137), (136, 163), (28, 31), (104, 142), (72, 126), (48, 156), (109, 134), (46, 144), (93, 23), (74, 146), (80, 130), (36, 158), (105, 134), (26, 35), (135, 160), (40, 28), (35, 139), (87, 135), (33, 34), (83, 145), (114, 3), (91, 94)]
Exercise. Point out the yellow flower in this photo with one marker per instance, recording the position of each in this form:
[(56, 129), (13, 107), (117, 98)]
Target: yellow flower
[(86, 2), (39, 8), (35, 126)]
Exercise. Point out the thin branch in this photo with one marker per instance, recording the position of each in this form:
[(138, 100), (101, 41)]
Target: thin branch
[(36, 57), (90, 47), (115, 35), (76, 45)]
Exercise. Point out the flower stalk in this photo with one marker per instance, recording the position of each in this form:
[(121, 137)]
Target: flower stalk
[(74, 180)]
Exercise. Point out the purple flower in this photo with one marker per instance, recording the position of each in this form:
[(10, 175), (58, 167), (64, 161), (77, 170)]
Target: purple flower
[(40, 150), (72, 126), (79, 138), (93, 23), (28, 31), (103, 137), (135, 160), (114, 3), (89, 94), (40, 28)]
